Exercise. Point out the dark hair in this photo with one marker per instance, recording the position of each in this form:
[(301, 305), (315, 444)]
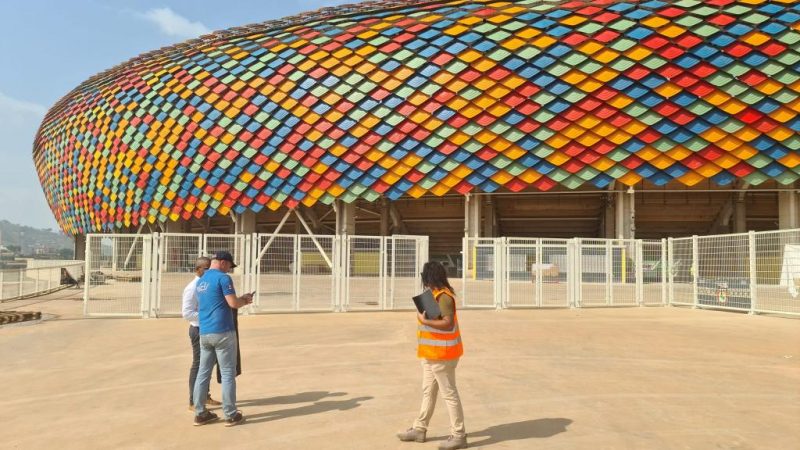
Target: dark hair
[(435, 276)]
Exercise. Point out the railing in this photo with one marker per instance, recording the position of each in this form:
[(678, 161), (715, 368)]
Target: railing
[(143, 275), (755, 272), (31, 281)]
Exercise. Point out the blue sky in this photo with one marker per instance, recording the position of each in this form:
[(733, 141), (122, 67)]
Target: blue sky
[(49, 47)]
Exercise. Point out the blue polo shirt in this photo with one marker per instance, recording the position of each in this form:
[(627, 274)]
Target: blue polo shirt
[(215, 316)]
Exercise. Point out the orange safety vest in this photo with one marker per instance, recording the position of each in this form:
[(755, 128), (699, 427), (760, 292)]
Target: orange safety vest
[(438, 344)]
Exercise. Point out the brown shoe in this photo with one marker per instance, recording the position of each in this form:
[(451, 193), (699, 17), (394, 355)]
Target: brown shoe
[(204, 418), (191, 408), (412, 434), (211, 402), (234, 420), (453, 443)]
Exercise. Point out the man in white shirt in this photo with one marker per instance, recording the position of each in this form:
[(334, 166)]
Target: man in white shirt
[(190, 313)]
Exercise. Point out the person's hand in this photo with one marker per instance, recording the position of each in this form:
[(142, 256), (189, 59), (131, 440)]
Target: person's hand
[(421, 317), (248, 298)]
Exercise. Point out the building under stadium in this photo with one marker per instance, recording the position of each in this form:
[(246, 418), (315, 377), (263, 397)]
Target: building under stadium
[(445, 118)]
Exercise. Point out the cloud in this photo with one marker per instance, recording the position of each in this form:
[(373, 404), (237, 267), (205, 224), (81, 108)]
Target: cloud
[(173, 24), (11, 107), (21, 197)]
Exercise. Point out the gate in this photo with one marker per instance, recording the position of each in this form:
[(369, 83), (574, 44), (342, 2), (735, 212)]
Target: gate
[(405, 256), (296, 273), (537, 272), (482, 273), (116, 277), (176, 257), (382, 273), (330, 273)]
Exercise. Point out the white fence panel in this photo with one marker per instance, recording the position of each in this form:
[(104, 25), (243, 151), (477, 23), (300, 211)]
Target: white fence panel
[(273, 269), (177, 254), (40, 279), (405, 256), (364, 266), (653, 273), (776, 271), (624, 276), (117, 281), (482, 275), (523, 272)]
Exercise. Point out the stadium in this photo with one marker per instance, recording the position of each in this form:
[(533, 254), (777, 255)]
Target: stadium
[(549, 119)]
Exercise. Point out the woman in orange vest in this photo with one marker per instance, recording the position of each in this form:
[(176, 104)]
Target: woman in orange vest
[(439, 347)]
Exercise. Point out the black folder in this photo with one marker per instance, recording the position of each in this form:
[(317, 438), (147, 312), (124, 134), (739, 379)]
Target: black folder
[(425, 302)]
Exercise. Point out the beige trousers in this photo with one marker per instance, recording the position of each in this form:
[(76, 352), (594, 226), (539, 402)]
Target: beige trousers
[(438, 375)]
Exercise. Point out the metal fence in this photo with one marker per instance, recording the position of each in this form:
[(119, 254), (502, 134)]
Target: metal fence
[(117, 274), (757, 272), (532, 272), (144, 275), (43, 278)]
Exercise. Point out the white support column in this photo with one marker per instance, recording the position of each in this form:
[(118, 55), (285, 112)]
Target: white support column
[(490, 228), (345, 218), (246, 223), (384, 206), (472, 215), (788, 210), (625, 210), (739, 214)]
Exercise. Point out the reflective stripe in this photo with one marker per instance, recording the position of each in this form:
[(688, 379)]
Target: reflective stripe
[(436, 344), (440, 342), (421, 327)]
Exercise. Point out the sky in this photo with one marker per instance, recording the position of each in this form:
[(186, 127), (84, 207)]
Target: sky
[(47, 48)]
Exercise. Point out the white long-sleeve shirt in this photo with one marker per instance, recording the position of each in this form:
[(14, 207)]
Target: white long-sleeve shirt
[(189, 307)]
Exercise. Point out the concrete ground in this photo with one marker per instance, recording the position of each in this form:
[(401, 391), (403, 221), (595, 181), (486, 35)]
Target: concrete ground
[(620, 378)]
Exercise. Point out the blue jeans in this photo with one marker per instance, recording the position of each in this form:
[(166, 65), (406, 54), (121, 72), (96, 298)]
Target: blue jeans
[(220, 348)]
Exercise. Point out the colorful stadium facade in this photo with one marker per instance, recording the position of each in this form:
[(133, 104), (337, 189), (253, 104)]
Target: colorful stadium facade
[(404, 100)]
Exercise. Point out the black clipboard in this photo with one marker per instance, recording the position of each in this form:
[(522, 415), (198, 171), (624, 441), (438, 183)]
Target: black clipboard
[(425, 302)]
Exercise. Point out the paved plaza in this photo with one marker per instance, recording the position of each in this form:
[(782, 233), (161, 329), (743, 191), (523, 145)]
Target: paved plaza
[(611, 378)]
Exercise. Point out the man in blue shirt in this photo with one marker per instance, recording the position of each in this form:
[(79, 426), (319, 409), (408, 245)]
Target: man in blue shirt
[(217, 303)]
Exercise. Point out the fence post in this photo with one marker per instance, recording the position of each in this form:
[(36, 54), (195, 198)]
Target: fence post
[(609, 269), (539, 264), (695, 269), (751, 241), (639, 249), (87, 273), (664, 280), (500, 278), (154, 274), (298, 271), (575, 274), (464, 267)]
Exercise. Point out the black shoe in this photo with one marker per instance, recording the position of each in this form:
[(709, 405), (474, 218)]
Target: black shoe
[(204, 418), (235, 419)]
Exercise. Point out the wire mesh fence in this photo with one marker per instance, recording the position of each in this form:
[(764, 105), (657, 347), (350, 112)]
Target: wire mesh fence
[(38, 279), (145, 274), (117, 274), (752, 272)]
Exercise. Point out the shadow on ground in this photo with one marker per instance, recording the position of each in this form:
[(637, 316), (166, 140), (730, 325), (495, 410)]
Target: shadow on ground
[(318, 406), (303, 397), (517, 431)]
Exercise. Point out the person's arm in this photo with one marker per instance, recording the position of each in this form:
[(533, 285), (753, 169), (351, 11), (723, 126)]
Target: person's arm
[(189, 306), (237, 302), (445, 323), (233, 300)]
